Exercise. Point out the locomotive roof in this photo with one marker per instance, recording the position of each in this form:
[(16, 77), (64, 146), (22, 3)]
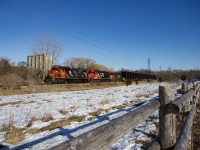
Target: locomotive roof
[(64, 67)]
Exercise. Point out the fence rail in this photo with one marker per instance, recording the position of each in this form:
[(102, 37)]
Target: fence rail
[(104, 136), (184, 107)]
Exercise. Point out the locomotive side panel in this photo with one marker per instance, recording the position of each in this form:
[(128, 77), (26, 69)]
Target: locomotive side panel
[(103, 74)]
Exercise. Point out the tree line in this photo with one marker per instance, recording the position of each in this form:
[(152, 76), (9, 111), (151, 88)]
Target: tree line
[(13, 75)]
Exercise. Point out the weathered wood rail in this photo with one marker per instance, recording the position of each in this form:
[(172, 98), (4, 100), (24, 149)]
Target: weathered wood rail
[(169, 107), (182, 107)]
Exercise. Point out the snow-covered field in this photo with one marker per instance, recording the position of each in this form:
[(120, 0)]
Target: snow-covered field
[(76, 112)]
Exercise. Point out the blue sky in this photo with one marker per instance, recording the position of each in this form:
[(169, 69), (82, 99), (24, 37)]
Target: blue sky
[(115, 33)]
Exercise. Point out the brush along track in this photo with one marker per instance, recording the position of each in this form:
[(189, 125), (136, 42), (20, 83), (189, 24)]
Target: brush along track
[(46, 88)]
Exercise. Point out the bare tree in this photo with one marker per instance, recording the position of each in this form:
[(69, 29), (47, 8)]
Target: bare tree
[(46, 45), (100, 67), (76, 62), (5, 65), (84, 63), (22, 64)]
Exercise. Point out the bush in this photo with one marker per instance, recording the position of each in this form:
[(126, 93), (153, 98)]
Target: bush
[(128, 82), (160, 79), (183, 77), (149, 80), (34, 77), (137, 81), (11, 81)]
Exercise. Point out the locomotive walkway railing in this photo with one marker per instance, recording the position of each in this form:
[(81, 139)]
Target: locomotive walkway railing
[(169, 107)]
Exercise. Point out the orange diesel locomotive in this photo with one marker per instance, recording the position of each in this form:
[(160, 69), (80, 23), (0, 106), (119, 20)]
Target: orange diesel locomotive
[(62, 74)]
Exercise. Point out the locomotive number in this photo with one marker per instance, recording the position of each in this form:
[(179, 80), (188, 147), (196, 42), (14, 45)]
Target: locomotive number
[(118, 76), (101, 75), (70, 73)]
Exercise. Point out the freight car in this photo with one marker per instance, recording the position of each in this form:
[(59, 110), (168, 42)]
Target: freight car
[(62, 74), (127, 75)]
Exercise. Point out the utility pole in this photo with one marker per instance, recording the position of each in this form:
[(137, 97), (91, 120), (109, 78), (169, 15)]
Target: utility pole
[(149, 64)]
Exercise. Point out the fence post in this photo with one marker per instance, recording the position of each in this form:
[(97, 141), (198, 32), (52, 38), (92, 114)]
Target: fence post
[(198, 99), (198, 93), (187, 109), (184, 88), (167, 120)]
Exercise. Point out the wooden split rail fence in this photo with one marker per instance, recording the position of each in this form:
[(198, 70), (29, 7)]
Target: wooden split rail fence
[(169, 108)]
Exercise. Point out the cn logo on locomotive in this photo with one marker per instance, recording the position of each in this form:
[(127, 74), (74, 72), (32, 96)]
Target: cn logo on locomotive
[(101, 75)]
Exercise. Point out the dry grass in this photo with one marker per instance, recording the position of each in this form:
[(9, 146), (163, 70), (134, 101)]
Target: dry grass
[(16, 103), (123, 105), (52, 126), (6, 127), (74, 107), (47, 117), (119, 107), (34, 118), (77, 118), (10, 81), (196, 128), (56, 124), (135, 101), (144, 143), (151, 136), (30, 123), (59, 88), (11, 103), (126, 103), (98, 112), (128, 82), (105, 101), (139, 95), (13, 134), (90, 118), (63, 111)]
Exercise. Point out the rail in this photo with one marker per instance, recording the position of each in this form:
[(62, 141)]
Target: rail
[(104, 136), (183, 108)]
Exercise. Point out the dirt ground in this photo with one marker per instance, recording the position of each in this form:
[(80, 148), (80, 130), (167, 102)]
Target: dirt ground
[(46, 88), (196, 129)]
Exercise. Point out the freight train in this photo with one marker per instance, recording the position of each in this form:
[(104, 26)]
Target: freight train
[(63, 74)]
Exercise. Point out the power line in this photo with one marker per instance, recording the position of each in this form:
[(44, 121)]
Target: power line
[(68, 34), (59, 29)]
